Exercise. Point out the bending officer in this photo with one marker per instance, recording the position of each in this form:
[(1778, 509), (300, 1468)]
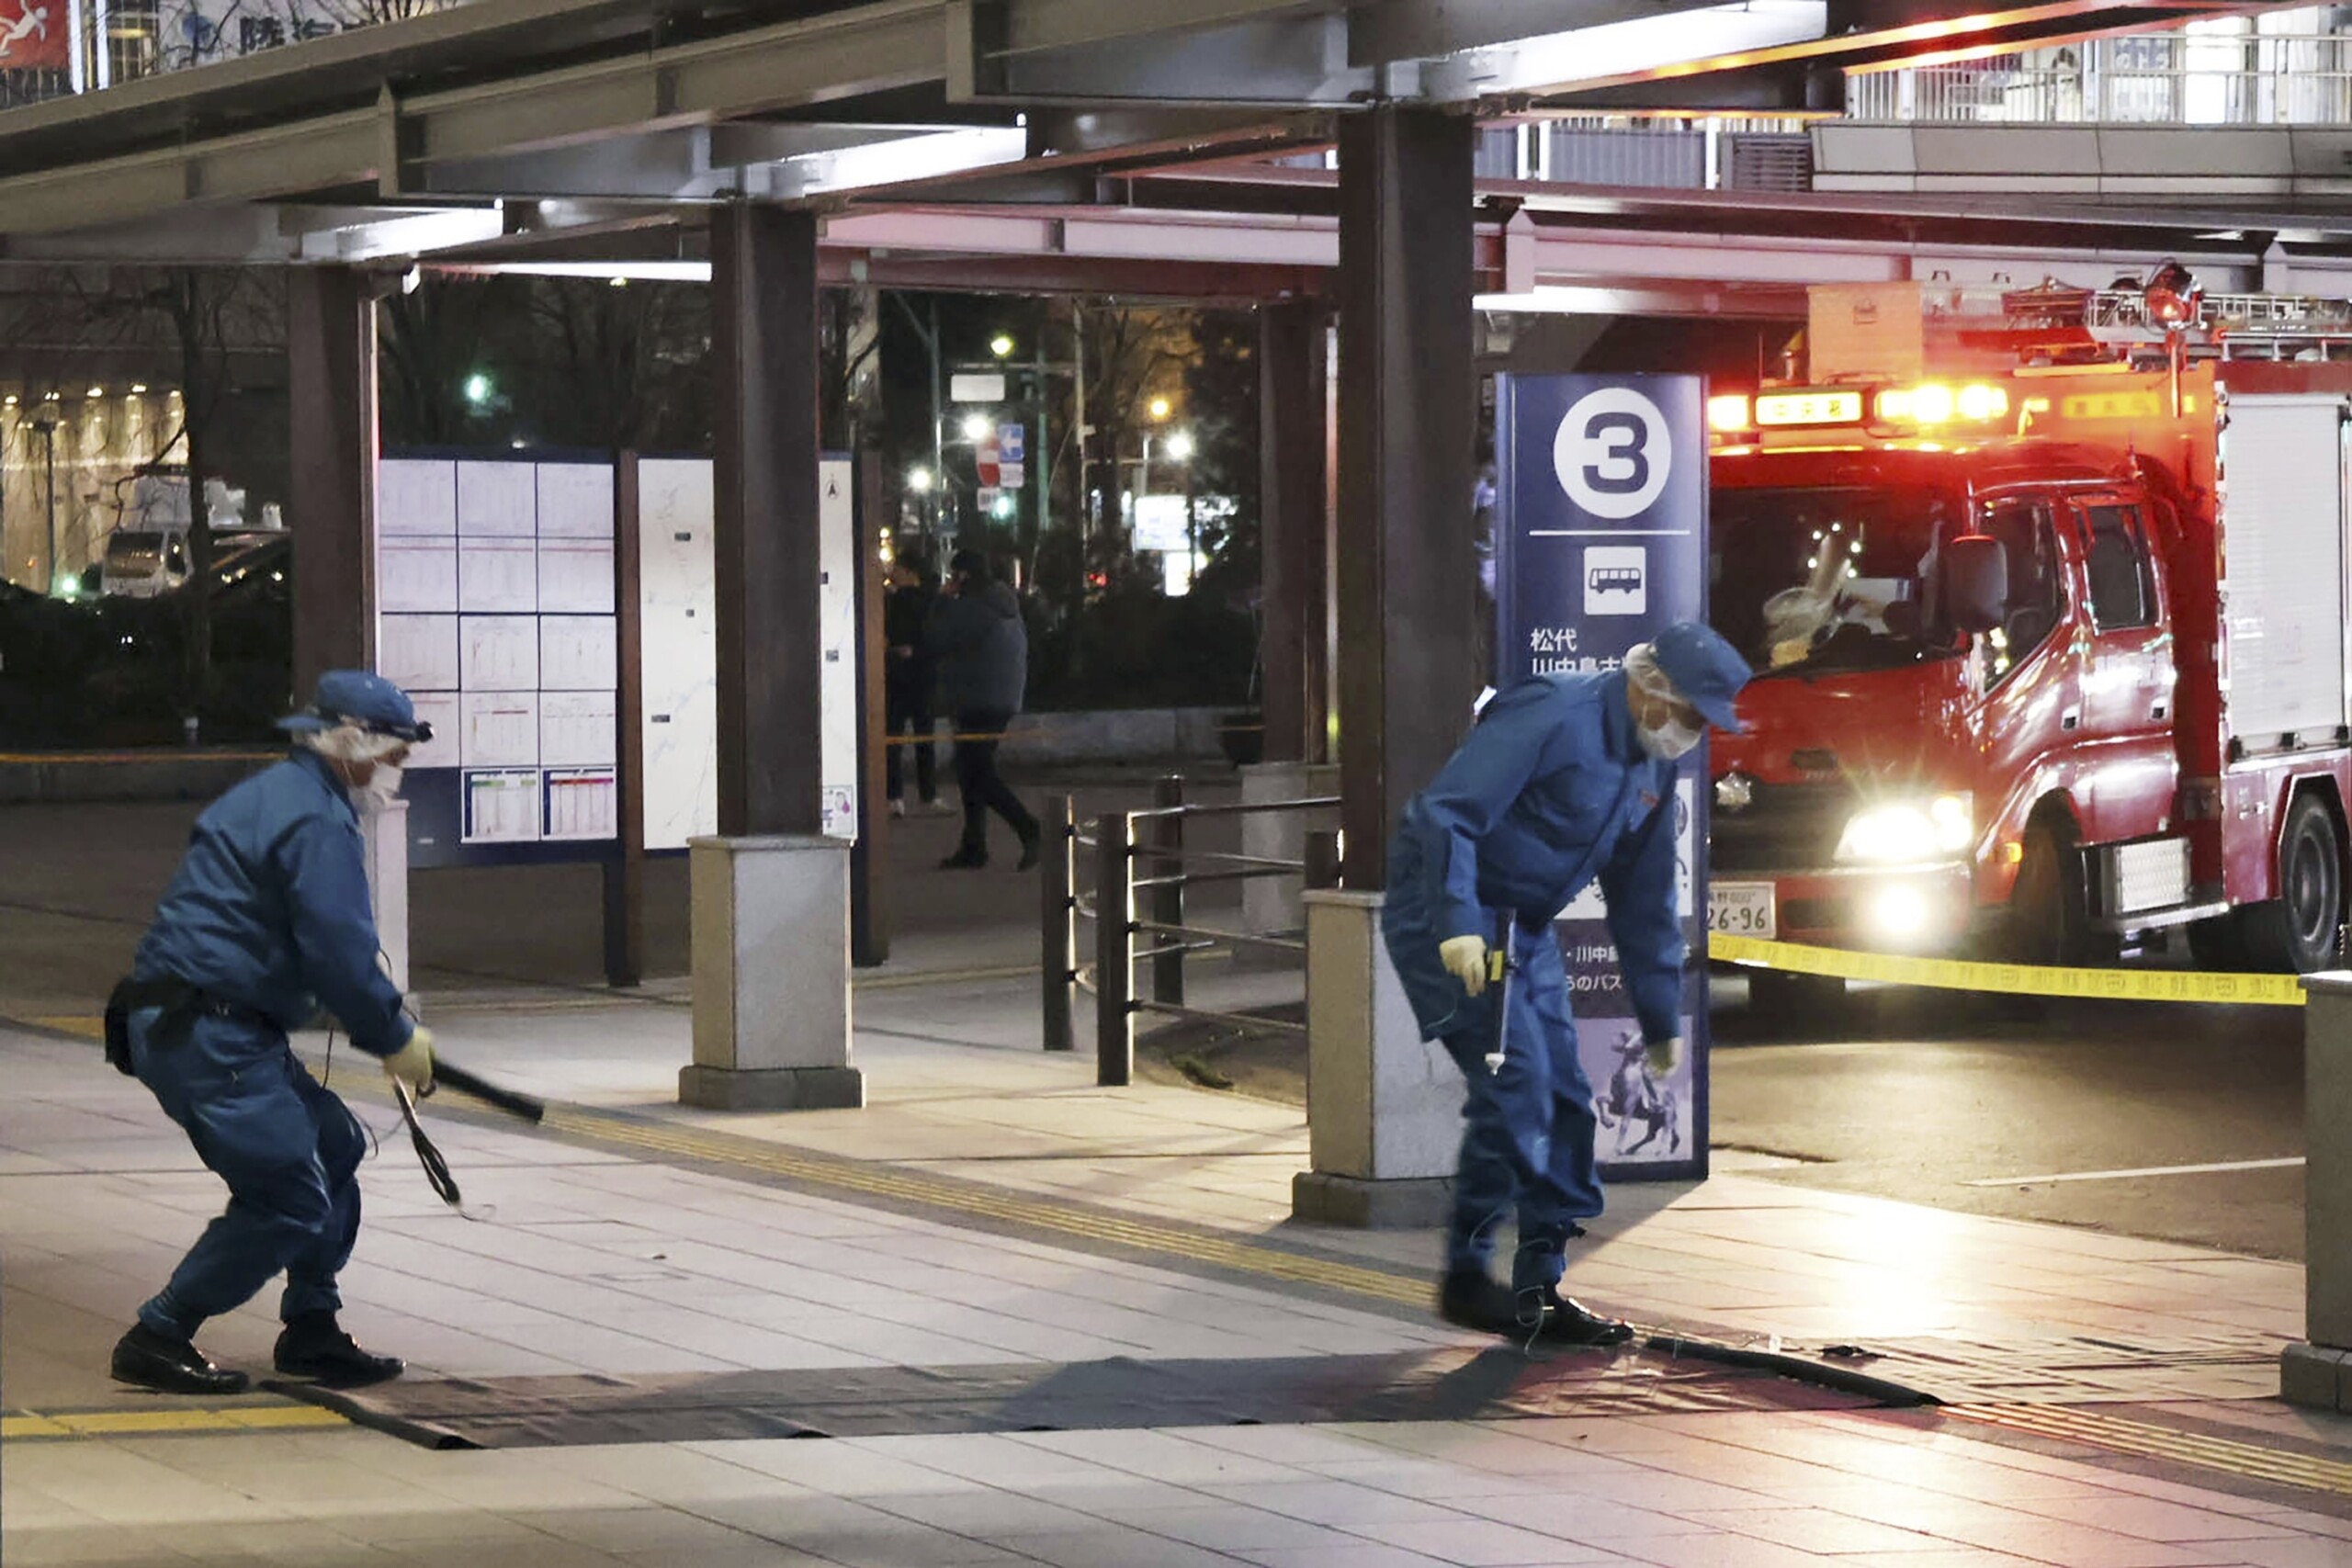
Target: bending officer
[(267, 918), (1566, 780)]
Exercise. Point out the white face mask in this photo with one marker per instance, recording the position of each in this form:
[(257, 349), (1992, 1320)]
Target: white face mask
[(383, 786), (1668, 741), (1675, 735)]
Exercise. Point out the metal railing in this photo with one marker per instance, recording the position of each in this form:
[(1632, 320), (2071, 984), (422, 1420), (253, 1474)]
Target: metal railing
[(1140, 870), (2269, 76)]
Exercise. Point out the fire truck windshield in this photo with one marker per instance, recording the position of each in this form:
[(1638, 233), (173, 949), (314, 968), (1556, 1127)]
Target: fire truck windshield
[(1807, 581)]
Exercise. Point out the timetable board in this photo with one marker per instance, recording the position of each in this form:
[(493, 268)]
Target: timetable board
[(496, 586), (495, 612)]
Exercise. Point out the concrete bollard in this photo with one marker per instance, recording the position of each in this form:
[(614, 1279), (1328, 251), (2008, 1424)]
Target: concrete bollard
[(1384, 1107), (384, 836), (770, 926), (1270, 905), (2317, 1371)]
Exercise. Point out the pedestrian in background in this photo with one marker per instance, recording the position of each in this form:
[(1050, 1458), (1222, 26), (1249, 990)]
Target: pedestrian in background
[(909, 678), (267, 920), (977, 634)]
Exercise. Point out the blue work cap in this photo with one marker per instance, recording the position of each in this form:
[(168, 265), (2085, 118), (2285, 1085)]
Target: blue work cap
[(360, 697), (1706, 671)]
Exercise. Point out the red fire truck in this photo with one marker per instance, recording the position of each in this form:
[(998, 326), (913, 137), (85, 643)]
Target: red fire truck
[(2051, 645)]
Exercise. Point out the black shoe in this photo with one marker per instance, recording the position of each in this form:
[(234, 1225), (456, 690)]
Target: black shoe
[(1470, 1298), (1031, 848), (315, 1346), (966, 859), (1567, 1321), (172, 1366)]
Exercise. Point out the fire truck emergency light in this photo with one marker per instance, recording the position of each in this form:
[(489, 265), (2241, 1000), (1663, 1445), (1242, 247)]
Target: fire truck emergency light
[(1937, 404), (1809, 407)]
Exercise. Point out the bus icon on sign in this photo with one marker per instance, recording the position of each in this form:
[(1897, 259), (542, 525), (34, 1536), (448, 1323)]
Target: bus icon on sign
[(1616, 581)]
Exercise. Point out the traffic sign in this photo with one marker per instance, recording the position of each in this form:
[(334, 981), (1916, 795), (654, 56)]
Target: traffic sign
[(1013, 441)]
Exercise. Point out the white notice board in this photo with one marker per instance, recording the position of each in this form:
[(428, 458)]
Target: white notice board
[(495, 613)]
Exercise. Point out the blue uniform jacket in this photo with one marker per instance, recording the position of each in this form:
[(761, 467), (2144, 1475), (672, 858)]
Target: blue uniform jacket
[(1551, 790), (269, 909)]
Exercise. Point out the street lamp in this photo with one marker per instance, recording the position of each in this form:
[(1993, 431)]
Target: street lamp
[(1160, 408), (919, 480), (1181, 448), (1000, 346), (44, 418), (975, 427), (477, 389)]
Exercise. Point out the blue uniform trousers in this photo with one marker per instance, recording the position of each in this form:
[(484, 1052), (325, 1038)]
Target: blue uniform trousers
[(289, 1150), (1527, 1135)]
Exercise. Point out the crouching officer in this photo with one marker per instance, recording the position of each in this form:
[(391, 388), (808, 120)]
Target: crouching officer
[(268, 918), (1566, 780)]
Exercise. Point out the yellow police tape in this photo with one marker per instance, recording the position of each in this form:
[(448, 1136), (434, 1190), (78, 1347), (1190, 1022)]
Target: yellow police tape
[(2014, 979)]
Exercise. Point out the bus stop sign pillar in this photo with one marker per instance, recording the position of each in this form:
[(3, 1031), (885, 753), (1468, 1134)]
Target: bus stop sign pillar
[(1600, 542), (2317, 1372), (770, 893)]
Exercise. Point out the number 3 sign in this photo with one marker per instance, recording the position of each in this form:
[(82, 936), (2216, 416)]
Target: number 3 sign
[(1612, 453)]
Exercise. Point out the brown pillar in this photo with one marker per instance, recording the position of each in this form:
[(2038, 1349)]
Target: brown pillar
[(331, 502), (1406, 565), (1292, 504), (764, 342)]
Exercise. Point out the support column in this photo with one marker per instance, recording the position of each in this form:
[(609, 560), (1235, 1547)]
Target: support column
[(1384, 1113), (771, 892), (331, 500), (2316, 1372), (1293, 351), (1291, 416), (1408, 569)]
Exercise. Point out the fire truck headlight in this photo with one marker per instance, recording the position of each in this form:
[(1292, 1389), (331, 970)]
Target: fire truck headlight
[(1909, 832), (1897, 915)]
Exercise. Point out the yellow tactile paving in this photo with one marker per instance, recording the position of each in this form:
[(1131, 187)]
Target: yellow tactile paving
[(2076, 1424)]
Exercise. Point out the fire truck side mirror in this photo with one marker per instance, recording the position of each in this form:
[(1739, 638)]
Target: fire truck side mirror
[(1977, 582)]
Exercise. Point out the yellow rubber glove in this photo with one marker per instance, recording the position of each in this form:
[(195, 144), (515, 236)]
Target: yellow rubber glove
[(1665, 1057), (412, 1063), (1464, 958)]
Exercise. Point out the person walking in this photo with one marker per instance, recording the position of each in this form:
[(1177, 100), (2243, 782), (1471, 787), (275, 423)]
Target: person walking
[(908, 679), (267, 918), (1564, 781), (976, 633)]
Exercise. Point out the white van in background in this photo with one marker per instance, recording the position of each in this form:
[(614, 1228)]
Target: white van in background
[(147, 554)]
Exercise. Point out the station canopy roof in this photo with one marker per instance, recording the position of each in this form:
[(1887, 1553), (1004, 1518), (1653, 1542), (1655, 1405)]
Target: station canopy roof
[(1160, 147)]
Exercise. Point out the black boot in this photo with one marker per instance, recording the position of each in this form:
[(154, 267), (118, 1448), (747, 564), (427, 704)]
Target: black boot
[(315, 1346), (966, 859), (1471, 1298), (172, 1366), (1031, 847), (1568, 1321)]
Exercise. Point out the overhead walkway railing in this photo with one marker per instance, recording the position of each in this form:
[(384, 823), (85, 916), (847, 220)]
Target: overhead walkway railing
[(2207, 73), (1125, 876)]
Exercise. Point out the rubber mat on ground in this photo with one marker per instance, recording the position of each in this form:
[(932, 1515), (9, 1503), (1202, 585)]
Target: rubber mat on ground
[(1446, 1385)]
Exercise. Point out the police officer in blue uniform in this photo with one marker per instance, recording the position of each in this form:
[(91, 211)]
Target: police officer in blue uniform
[(267, 918), (1566, 780)]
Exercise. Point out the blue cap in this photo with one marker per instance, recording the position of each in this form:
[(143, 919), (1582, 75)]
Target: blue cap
[(1706, 671), (360, 697)]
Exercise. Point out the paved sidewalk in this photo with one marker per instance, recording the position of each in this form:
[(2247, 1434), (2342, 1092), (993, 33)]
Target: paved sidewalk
[(992, 1210)]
